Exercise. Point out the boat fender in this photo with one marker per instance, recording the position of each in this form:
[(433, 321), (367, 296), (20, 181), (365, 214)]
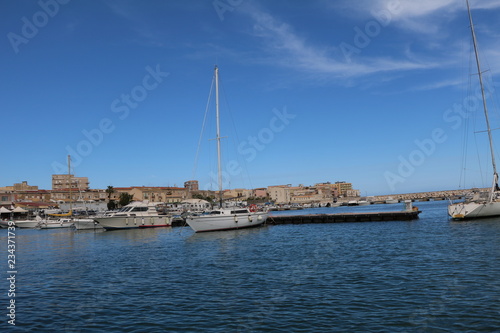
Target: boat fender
[(235, 218), (250, 218), (126, 221), (143, 221), (259, 217)]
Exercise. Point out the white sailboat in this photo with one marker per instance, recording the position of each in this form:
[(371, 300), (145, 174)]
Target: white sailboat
[(481, 204), (221, 218), (64, 220)]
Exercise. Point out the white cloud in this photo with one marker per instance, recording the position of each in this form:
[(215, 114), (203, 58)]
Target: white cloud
[(287, 48)]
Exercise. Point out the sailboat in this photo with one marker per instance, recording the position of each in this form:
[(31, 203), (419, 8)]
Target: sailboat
[(224, 218), (481, 204), (64, 220)]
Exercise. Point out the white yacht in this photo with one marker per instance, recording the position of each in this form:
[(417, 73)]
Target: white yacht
[(138, 214)]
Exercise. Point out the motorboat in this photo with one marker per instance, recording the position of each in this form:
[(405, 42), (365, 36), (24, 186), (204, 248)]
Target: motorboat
[(138, 214)]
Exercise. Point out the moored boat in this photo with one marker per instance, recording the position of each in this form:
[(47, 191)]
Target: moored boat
[(138, 214), (52, 224), (224, 218), (86, 224), (481, 204)]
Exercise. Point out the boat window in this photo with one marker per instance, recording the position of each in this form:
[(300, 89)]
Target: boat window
[(214, 212), (140, 209), (240, 211)]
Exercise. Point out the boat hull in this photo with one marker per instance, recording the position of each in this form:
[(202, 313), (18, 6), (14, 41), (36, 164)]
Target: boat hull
[(64, 223), (206, 223), (86, 224), (126, 222), (26, 223), (472, 210)]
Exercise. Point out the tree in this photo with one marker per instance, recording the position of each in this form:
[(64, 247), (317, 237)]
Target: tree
[(110, 190), (111, 204), (125, 199)]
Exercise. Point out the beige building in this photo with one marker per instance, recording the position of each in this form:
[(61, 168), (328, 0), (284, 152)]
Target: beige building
[(60, 182), (191, 185), (6, 198), (20, 187), (238, 194), (152, 193), (280, 194)]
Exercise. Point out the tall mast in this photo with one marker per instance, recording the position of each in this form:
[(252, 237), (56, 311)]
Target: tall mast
[(494, 187), (219, 167), (69, 184)]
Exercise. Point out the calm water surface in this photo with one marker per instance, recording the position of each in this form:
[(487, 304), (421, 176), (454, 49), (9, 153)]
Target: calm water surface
[(427, 275)]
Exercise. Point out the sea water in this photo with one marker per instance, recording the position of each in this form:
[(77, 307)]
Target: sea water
[(426, 275)]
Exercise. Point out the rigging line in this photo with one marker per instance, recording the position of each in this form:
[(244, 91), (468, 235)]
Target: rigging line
[(240, 159), (202, 129), (466, 121)]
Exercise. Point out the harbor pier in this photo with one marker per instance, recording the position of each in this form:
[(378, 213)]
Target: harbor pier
[(344, 217)]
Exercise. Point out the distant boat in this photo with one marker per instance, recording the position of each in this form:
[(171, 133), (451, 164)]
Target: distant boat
[(138, 214), (224, 219), (391, 200), (484, 204)]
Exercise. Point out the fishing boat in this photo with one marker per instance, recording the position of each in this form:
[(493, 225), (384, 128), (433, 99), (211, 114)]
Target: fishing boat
[(137, 214), (480, 204), (224, 218)]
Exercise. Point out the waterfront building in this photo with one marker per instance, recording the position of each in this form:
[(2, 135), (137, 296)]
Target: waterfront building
[(259, 192), (280, 194), (191, 185), (237, 193), (7, 198), (23, 186), (65, 181)]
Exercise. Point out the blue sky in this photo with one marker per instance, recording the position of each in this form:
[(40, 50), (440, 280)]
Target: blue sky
[(370, 92)]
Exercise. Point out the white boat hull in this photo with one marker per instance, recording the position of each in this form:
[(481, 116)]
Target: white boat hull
[(26, 223), (86, 224), (53, 224), (471, 210), (126, 222), (205, 223)]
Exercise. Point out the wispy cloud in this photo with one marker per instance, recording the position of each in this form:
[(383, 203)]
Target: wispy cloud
[(286, 47)]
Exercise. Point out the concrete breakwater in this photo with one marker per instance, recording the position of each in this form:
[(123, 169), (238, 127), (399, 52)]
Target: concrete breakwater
[(425, 196)]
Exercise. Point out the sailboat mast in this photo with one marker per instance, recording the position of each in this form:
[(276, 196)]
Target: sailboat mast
[(69, 183), (492, 151), (219, 166)]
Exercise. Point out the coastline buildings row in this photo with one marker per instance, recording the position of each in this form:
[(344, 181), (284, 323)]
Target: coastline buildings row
[(66, 188)]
